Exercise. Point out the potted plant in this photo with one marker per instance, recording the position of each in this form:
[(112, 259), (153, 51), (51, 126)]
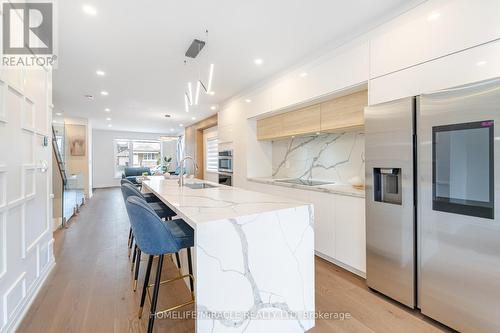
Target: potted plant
[(164, 164)]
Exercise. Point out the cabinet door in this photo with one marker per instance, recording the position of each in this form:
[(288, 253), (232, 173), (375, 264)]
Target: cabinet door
[(350, 233), (324, 224), (269, 128), (303, 121), (225, 133), (344, 112)]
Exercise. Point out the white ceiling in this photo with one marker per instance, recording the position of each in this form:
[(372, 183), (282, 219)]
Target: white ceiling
[(141, 45)]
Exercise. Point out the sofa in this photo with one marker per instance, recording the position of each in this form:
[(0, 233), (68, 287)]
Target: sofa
[(131, 173)]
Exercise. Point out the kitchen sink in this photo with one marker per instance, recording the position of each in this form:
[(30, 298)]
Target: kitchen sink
[(304, 182), (199, 186)]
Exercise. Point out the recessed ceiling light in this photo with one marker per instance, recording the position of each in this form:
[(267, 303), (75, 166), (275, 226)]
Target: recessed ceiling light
[(213, 107), (433, 16), (303, 74), (100, 73), (248, 100), (107, 110), (58, 114), (109, 125), (108, 119), (89, 10), (104, 93), (181, 125), (481, 63), (193, 118), (258, 61)]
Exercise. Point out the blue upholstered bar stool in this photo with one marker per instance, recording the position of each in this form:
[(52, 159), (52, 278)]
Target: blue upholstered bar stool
[(162, 210), (159, 207), (149, 197), (157, 238)]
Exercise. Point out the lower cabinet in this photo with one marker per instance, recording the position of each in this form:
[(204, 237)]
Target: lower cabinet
[(350, 233)]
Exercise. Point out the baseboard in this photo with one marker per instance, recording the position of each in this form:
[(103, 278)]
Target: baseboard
[(341, 264), (28, 300)]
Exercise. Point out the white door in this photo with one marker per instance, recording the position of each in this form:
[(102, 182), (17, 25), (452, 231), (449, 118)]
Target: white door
[(26, 254)]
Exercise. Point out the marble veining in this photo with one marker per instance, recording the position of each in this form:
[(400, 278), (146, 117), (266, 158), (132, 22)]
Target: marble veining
[(334, 157), (264, 302), (253, 257), (221, 202)]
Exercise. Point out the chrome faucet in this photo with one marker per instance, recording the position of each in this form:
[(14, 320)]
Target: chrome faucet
[(181, 172)]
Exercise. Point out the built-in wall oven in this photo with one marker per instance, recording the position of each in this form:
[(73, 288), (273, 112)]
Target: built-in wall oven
[(226, 161), (226, 167), (226, 179)]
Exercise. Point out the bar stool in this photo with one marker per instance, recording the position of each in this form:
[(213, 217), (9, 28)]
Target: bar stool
[(162, 210), (155, 237), (159, 206), (149, 197)]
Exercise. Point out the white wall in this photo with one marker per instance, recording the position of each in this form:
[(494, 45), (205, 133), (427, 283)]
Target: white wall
[(26, 242), (103, 154), (208, 134)]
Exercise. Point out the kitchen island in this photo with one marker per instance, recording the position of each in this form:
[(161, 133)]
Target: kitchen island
[(253, 257)]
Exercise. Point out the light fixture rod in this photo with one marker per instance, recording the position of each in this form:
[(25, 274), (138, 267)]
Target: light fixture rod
[(197, 97), (186, 102), (190, 91), (210, 76)]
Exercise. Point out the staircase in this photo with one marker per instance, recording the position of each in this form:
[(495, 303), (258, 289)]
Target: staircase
[(57, 153)]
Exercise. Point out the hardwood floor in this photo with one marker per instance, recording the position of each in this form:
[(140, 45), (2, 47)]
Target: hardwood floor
[(90, 289)]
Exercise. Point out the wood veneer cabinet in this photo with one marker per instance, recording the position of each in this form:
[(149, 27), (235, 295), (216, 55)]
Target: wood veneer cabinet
[(342, 113), (303, 121), (270, 128)]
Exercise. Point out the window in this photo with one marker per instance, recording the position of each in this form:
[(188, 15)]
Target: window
[(463, 169), (212, 155), (136, 153)]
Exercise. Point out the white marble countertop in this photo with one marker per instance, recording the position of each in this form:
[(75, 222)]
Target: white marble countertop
[(342, 189), (210, 204)]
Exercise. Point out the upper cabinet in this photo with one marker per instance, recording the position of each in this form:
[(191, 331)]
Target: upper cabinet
[(302, 121), (338, 114), (344, 112), (432, 30), (270, 128)]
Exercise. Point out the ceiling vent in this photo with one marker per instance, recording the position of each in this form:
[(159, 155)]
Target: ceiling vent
[(195, 48)]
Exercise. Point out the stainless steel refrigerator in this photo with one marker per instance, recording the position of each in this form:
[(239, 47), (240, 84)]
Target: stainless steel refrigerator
[(433, 226)]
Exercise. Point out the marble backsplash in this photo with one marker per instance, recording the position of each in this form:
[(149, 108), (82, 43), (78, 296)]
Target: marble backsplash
[(334, 157)]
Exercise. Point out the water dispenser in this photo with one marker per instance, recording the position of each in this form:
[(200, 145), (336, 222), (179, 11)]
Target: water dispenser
[(387, 185)]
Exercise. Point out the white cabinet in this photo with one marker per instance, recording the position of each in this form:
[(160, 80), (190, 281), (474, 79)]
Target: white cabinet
[(324, 225), (473, 65), (433, 29), (225, 133), (350, 233)]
